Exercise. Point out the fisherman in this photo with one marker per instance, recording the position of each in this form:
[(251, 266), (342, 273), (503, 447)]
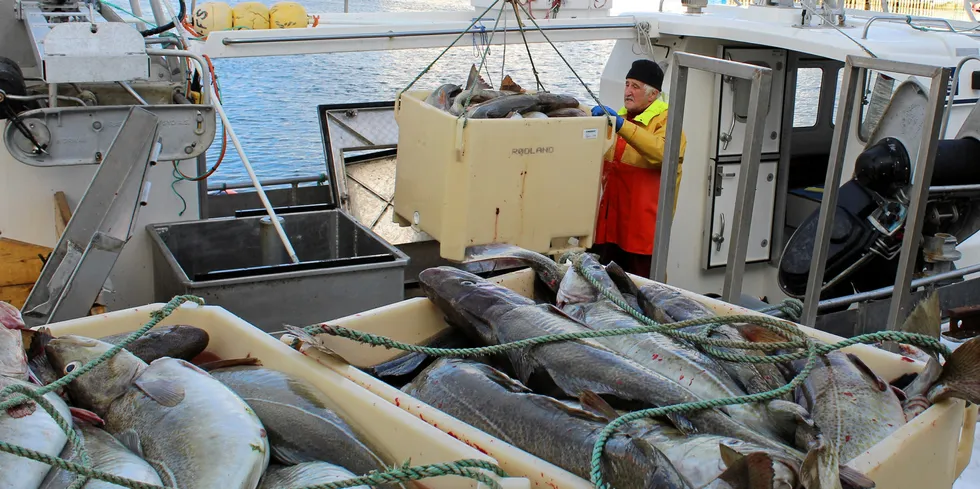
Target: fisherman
[(630, 190)]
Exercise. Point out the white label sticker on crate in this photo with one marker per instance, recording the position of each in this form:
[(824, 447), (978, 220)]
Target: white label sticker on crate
[(590, 134)]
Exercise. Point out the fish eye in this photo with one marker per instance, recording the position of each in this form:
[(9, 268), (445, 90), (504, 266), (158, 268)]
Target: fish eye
[(467, 283), (71, 367)]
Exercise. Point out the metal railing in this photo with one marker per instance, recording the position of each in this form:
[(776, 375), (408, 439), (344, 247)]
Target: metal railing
[(855, 69), (761, 78), (907, 19)]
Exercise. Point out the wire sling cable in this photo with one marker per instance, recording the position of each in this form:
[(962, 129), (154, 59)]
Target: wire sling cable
[(579, 78), (520, 27), (444, 51)]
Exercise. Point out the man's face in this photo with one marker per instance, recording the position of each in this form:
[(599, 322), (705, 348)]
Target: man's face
[(635, 97)]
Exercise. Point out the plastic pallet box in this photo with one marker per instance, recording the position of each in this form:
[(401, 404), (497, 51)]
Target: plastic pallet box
[(398, 434), (533, 183), (929, 452)]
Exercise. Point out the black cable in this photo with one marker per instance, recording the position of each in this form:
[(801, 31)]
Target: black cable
[(169, 25)]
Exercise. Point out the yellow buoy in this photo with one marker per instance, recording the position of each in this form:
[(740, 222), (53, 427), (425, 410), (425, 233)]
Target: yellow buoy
[(251, 15), (212, 16), (287, 15)]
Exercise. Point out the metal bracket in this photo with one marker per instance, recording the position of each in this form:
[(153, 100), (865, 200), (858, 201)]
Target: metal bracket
[(964, 322), (855, 68), (74, 273), (83, 135), (761, 78)]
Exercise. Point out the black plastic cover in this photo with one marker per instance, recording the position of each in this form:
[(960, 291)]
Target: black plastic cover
[(884, 167), (851, 237)]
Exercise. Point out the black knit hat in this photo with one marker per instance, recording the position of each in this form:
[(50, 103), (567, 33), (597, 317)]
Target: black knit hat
[(647, 72)]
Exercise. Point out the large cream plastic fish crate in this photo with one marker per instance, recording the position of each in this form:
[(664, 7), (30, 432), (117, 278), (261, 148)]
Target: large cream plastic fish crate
[(533, 183), (397, 434), (928, 453)]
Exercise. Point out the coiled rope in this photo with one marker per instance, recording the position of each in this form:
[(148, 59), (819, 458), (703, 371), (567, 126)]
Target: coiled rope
[(27, 393)]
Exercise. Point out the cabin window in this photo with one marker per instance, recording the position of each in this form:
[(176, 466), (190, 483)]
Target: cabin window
[(808, 81)]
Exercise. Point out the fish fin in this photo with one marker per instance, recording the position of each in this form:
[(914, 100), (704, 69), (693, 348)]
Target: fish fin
[(509, 85), (863, 367), (475, 79), (622, 280), (786, 411), (86, 416), (821, 468), (752, 471), (166, 475), (398, 366), (504, 380), (312, 340), (285, 456), (598, 405), (853, 479), (131, 440), (898, 393), (164, 391), (195, 368), (22, 410), (925, 318), (961, 374), (232, 362), (552, 403), (759, 334), (729, 455)]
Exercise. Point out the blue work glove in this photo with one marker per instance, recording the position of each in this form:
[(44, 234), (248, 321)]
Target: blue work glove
[(602, 110)]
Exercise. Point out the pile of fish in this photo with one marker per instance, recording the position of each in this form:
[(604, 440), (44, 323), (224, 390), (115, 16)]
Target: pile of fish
[(164, 411), (552, 400), (478, 100)]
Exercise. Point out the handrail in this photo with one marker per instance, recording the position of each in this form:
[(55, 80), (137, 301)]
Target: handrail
[(856, 68), (908, 20), (952, 93), (760, 78)]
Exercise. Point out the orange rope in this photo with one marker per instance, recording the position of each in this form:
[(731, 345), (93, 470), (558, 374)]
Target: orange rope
[(224, 133)]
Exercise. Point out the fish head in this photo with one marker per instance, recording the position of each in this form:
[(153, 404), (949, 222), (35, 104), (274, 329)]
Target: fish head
[(469, 301), (577, 285), (96, 389), (13, 361)]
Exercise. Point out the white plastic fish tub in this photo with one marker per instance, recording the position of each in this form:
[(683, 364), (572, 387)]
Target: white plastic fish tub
[(929, 452), (481, 181), (399, 434)]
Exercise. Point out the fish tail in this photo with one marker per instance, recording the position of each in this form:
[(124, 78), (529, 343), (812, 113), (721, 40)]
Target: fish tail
[(925, 318), (752, 471), (820, 469), (961, 375), (312, 340)]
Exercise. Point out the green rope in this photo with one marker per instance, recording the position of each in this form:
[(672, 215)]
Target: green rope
[(173, 186), (789, 308), (404, 473)]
